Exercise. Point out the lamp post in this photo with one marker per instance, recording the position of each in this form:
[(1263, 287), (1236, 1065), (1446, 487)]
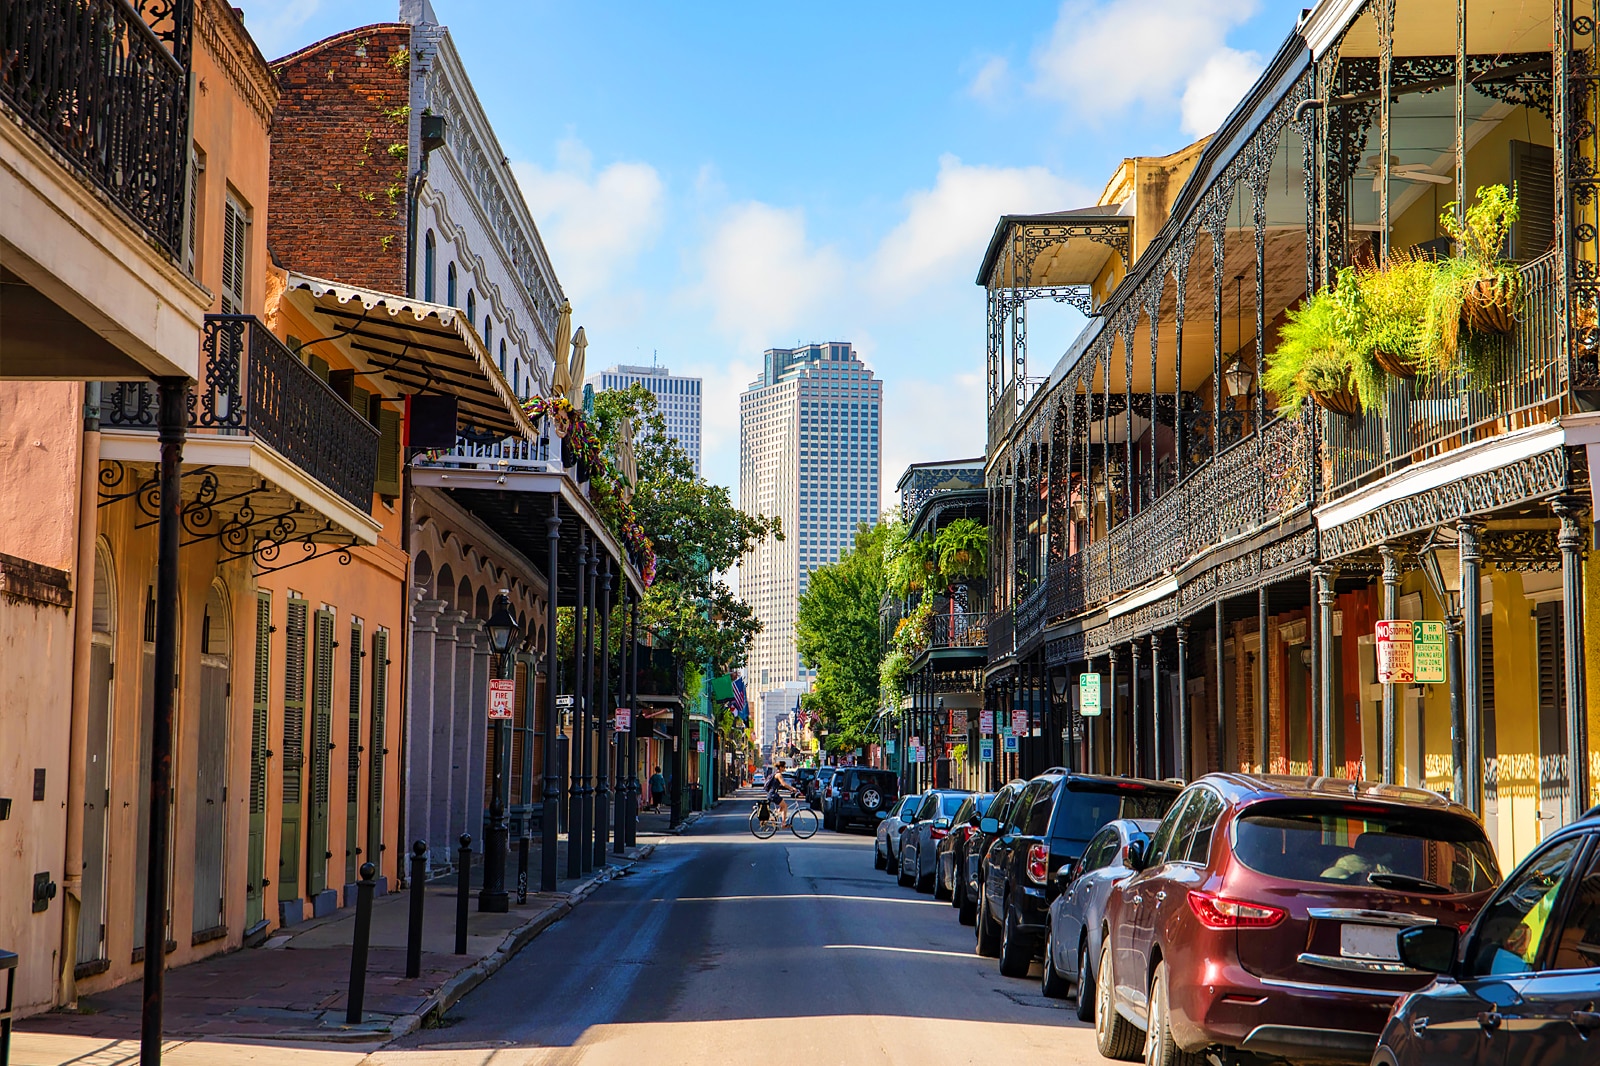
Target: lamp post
[(503, 633), (1440, 561), (1060, 682)]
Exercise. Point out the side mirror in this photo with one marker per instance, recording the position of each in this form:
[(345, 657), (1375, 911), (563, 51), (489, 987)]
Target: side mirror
[(1133, 855), (882, 815), (989, 826), (941, 823), (1429, 947), (1066, 874)]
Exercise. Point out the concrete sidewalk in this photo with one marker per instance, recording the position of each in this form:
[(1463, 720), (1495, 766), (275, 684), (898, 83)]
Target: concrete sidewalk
[(293, 989)]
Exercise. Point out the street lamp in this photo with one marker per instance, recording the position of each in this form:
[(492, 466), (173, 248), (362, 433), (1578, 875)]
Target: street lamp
[(1440, 561), (1060, 685), (503, 632)]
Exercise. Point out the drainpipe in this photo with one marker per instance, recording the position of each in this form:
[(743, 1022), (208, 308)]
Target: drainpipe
[(78, 729)]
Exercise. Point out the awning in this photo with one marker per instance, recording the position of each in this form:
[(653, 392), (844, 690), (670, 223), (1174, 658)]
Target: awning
[(421, 347)]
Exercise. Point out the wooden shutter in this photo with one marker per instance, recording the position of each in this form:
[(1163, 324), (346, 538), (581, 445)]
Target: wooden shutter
[(294, 739), (1551, 653), (319, 745), (352, 789), (388, 479), (1533, 174), (376, 746), (255, 872), (1488, 737), (233, 256), (196, 166)]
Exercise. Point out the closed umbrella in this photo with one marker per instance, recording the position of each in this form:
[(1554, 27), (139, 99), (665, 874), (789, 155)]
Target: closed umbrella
[(579, 343), (560, 382)]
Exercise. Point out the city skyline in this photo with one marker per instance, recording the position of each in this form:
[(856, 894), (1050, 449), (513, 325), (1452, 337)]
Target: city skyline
[(677, 398)]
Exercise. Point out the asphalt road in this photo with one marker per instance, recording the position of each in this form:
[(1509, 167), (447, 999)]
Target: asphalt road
[(723, 948)]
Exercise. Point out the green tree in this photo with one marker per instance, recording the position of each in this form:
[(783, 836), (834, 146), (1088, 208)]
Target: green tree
[(836, 630)]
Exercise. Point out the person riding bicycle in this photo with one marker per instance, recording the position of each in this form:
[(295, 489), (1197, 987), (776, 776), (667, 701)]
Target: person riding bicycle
[(775, 796)]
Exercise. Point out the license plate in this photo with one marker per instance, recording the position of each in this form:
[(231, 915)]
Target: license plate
[(1369, 942)]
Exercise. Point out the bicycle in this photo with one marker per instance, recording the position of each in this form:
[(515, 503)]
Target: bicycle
[(764, 823)]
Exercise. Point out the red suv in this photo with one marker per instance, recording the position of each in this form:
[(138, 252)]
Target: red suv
[(1263, 918)]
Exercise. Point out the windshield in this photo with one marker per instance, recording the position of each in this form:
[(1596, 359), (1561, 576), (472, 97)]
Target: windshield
[(948, 805), (1082, 813), (909, 806), (1403, 850)]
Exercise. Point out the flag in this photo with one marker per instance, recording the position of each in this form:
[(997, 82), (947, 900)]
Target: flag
[(741, 703)]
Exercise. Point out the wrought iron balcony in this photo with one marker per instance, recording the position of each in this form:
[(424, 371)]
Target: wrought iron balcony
[(1012, 400), (96, 83), (998, 636), (524, 456), (959, 629), (256, 387)]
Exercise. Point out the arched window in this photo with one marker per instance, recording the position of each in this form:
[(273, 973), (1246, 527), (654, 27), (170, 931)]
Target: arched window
[(488, 341), (428, 255), (450, 284), (472, 306), (516, 380)]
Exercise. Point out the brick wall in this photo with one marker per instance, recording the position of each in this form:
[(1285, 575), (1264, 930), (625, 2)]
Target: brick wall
[(339, 158)]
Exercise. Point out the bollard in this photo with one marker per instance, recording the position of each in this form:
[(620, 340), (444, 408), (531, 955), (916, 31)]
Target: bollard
[(358, 950), (463, 876), (522, 869), (419, 876)]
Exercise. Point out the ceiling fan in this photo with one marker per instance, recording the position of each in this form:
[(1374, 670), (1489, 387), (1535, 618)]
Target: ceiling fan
[(1401, 172)]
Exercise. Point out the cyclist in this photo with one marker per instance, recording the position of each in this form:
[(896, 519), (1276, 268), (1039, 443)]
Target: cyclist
[(775, 796)]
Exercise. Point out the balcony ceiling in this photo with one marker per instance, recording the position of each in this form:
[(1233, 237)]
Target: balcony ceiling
[(1064, 254), (1428, 28), (40, 339)]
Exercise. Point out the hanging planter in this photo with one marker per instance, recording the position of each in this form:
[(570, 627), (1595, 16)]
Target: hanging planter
[(1341, 401), (1491, 304), (1320, 355)]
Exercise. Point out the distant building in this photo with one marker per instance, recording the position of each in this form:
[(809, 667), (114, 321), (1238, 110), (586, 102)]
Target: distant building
[(809, 454), (678, 397)]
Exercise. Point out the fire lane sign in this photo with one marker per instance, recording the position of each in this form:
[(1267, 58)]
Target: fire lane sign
[(502, 691)]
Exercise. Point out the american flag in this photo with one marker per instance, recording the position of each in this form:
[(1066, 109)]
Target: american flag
[(741, 704)]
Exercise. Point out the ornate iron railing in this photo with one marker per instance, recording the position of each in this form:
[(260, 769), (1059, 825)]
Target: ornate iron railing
[(1531, 383), (1012, 400), (959, 629), (998, 635), (509, 454), (1030, 614), (255, 386), (96, 83)]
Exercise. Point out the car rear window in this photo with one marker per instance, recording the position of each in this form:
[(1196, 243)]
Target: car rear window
[(948, 805), (1081, 812), (1403, 850)]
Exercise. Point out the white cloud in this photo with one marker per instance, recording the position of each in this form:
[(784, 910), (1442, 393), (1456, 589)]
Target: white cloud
[(1102, 58), (762, 276), (946, 228), (595, 224), (925, 420), (991, 81), (1215, 88)]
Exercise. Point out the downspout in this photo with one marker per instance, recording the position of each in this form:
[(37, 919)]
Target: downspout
[(78, 728)]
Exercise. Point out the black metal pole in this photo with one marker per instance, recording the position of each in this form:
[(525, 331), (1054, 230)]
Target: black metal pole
[(1111, 715), (1135, 727), (492, 896), (1571, 541), (358, 947), (522, 866), (602, 762), (172, 420), (463, 891), (574, 748), (1182, 709), (634, 791), (1472, 663), (1389, 725), (550, 805), (419, 876), (1458, 729), (1158, 738), (619, 815), (1263, 717), (586, 813), (1325, 665), (680, 721)]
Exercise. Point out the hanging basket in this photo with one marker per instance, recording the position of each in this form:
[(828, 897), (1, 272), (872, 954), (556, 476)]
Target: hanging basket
[(1340, 401), (1394, 365), (1491, 304)]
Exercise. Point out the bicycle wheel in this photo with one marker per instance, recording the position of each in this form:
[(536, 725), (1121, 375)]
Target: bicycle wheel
[(803, 822), (762, 828)]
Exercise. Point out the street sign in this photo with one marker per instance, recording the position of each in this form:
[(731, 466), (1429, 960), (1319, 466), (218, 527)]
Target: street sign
[(1427, 652), (564, 702), (501, 692), (622, 720), (1089, 695), (1019, 722), (986, 722), (958, 721), (700, 746), (888, 747), (1011, 742), (1395, 640), (986, 750)]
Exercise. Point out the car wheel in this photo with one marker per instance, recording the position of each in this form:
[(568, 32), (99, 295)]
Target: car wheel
[(988, 929), (941, 887), (1159, 1048), (878, 861), (966, 909), (870, 800), (905, 879), (1114, 1036), (1051, 983), (1085, 1002), (1015, 958)]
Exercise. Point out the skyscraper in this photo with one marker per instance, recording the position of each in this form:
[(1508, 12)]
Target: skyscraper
[(678, 397), (808, 454)]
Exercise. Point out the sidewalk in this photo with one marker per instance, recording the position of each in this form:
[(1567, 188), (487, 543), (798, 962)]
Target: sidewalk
[(293, 988)]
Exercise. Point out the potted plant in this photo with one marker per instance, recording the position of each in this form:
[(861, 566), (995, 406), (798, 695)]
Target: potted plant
[(1319, 355), (1393, 304), (963, 550), (1476, 293)]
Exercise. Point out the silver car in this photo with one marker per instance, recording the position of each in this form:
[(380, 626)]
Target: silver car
[(919, 843), (886, 847), (1075, 918)]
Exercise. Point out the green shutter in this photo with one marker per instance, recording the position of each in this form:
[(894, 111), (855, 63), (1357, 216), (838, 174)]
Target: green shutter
[(388, 480), (294, 746), (318, 365), (256, 868), (320, 742), (376, 751), (352, 791)]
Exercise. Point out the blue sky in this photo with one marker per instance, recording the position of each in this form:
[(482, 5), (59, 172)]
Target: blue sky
[(715, 179)]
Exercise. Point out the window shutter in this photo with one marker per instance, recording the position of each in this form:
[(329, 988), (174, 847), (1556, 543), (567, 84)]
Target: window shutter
[(352, 790), (258, 721), (375, 746), (1533, 175), (294, 699), (1491, 774), (318, 365), (1552, 705), (388, 479), (233, 249), (321, 706), (194, 212)]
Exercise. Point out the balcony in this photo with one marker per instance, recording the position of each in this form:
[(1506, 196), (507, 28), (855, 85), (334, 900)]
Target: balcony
[(1012, 400), (93, 81), (511, 454), (959, 629), (998, 636)]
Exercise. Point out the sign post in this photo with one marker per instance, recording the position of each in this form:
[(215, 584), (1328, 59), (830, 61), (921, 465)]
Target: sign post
[(1089, 695), (502, 691)]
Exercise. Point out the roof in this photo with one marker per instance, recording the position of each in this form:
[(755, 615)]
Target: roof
[(1075, 258), (421, 347), (1283, 786)]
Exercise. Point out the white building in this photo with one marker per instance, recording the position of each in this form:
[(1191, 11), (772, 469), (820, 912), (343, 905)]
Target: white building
[(809, 454), (677, 396)]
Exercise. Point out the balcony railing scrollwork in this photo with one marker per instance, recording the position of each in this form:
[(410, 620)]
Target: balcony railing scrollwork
[(959, 629)]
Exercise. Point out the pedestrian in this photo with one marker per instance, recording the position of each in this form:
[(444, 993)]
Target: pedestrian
[(658, 789)]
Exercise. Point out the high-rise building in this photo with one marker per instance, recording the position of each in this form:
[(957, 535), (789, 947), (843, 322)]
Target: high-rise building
[(808, 454), (677, 396)]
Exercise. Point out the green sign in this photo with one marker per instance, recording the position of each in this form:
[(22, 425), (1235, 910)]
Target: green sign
[(1089, 695), (1428, 652), (986, 750), (1011, 742)]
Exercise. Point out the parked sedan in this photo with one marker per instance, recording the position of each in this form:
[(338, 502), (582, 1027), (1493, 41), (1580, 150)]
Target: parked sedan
[(1521, 985), (820, 785), (887, 846), (1264, 918), (948, 880), (1072, 942), (920, 838), (989, 827)]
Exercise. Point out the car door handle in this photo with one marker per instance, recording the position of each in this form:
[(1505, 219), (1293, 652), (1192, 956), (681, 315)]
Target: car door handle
[(1161, 895), (1585, 1019), (1489, 1019), (1138, 899)]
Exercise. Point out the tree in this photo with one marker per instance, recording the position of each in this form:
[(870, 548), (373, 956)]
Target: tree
[(836, 630)]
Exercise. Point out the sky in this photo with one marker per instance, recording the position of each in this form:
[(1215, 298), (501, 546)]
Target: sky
[(714, 179)]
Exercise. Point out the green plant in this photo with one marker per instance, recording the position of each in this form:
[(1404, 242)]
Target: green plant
[(1475, 293), (1393, 304), (963, 550), (399, 58), (1319, 355), (906, 562)]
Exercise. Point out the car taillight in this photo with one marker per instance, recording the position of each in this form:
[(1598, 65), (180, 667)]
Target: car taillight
[(1219, 912), (844, 796), (1038, 863), (938, 834)]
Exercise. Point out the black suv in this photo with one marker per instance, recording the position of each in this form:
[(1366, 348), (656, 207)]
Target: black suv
[(1045, 829), (859, 795)]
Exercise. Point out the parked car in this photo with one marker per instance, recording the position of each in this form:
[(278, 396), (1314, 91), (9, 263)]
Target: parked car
[(952, 856), (920, 839), (1072, 937), (856, 795), (1521, 985), (971, 871), (1263, 917), (819, 786), (759, 779), (1049, 825), (801, 778), (885, 849)]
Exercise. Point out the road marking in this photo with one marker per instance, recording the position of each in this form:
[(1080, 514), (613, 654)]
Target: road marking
[(805, 895), (902, 951)]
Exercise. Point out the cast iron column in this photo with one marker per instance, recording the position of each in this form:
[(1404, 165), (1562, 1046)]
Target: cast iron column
[(619, 817), (574, 745), (1157, 739), (586, 809), (1111, 714), (172, 421), (1471, 665), (1222, 687), (602, 762), (1182, 767), (492, 897), (550, 807), (1324, 576), (634, 788), (1263, 718), (1389, 724), (1571, 539), (1136, 760)]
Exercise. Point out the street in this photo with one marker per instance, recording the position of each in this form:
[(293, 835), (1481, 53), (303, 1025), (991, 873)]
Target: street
[(723, 945)]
